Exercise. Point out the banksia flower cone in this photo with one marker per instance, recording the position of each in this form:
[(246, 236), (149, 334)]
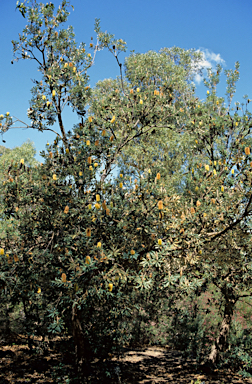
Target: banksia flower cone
[(110, 287), (160, 205), (247, 151), (66, 210), (88, 260), (158, 176), (63, 277), (88, 232)]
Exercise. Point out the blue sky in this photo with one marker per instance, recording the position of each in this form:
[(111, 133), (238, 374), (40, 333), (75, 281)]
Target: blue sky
[(220, 28)]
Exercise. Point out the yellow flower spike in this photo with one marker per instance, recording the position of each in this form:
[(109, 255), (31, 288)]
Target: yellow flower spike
[(89, 160), (141, 101), (97, 206), (121, 175), (22, 161), (2, 251), (88, 142), (232, 171), (90, 119), (200, 252), (7, 113), (196, 141), (108, 211), (196, 189), (80, 173), (98, 198), (74, 69), (236, 124), (247, 151), (88, 232), (63, 277), (113, 119), (90, 168), (120, 185), (99, 244), (53, 93), (96, 143), (48, 103), (206, 167), (222, 188), (192, 210), (160, 205), (66, 65), (104, 206), (111, 138), (138, 90), (89, 206), (88, 260), (131, 91), (132, 252), (192, 170), (198, 203), (110, 287), (66, 210), (89, 54), (160, 242), (54, 177), (96, 164), (1, 116), (215, 162), (39, 290), (208, 92), (158, 176), (214, 172), (43, 97)]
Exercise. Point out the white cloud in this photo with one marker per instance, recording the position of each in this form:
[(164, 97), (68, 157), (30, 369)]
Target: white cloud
[(209, 60)]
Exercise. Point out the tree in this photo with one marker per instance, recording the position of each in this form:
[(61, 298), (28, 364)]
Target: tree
[(89, 242), (11, 158)]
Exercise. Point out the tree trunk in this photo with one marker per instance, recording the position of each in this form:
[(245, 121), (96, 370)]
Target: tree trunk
[(220, 343), (81, 346)]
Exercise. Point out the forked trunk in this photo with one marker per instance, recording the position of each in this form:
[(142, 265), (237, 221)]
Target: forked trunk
[(220, 343)]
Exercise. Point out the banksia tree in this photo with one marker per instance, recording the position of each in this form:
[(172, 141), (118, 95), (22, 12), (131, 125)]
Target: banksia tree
[(151, 233)]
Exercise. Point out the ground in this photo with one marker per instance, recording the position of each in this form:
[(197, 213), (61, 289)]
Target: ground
[(143, 365)]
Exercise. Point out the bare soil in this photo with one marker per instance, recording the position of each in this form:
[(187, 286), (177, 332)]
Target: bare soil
[(145, 365)]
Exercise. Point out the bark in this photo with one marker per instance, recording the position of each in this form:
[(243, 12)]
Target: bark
[(82, 349), (220, 343)]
